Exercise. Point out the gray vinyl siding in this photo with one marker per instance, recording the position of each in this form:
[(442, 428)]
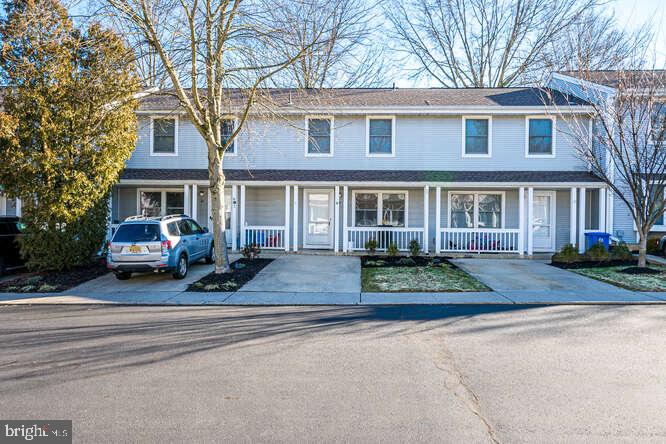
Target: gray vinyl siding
[(264, 206), (422, 142), (623, 223), (562, 218), (11, 207)]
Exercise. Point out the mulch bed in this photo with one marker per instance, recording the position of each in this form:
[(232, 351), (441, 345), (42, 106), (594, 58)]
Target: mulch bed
[(53, 281), (593, 264), (402, 261), (243, 271), (641, 270)]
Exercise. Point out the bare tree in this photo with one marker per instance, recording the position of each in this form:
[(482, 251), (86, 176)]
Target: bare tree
[(348, 56), (480, 43), (595, 42), (209, 49), (627, 147)]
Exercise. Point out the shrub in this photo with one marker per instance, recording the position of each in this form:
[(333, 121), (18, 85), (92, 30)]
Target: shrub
[(621, 252), (371, 246), (251, 251), (597, 253), (392, 249), (414, 247), (406, 262), (568, 254), (653, 245)]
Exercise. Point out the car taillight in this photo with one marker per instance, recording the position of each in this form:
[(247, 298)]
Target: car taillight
[(166, 246), (108, 245)]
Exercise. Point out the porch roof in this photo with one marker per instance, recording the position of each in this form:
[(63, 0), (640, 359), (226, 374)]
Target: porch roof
[(416, 176)]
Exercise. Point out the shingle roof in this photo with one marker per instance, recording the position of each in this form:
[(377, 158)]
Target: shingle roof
[(384, 97), (612, 78), (363, 175)]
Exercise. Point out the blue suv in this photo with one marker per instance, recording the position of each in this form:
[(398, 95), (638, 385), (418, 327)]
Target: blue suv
[(160, 244)]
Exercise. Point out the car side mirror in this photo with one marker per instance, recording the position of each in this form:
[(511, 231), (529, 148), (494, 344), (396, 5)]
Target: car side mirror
[(205, 229)]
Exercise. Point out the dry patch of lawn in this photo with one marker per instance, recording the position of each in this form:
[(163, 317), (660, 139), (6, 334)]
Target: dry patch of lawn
[(636, 282), (442, 277)]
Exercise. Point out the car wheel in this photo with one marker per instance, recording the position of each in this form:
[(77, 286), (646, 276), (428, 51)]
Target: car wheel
[(123, 275), (211, 255), (181, 268)]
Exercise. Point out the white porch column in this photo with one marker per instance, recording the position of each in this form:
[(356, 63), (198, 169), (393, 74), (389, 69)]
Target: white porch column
[(573, 206), (234, 217), (609, 210), (602, 209), (18, 207), (242, 216), (581, 220), (438, 219), (296, 216), (426, 211), (186, 200), (530, 221), (3, 205), (209, 209), (521, 221), (336, 222), (345, 209), (287, 225), (195, 201)]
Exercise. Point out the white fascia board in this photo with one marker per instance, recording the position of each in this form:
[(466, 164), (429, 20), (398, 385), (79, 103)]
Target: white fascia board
[(415, 110)]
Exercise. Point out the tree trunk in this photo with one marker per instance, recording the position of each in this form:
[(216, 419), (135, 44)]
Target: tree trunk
[(216, 179), (642, 250)]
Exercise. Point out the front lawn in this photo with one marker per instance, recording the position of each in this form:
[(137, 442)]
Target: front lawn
[(636, 282), (436, 276), (243, 271), (52, 281)]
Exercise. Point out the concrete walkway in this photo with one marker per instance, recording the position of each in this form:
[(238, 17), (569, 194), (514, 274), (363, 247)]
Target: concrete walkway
[(335, 280)]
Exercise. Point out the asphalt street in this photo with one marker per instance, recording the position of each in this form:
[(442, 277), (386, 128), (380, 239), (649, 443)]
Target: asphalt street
[(492, 373)]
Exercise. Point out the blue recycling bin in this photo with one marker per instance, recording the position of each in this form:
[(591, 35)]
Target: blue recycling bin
[(594, 237)]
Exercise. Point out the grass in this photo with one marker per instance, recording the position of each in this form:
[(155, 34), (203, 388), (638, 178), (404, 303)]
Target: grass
[(442, 277), (636, 282)]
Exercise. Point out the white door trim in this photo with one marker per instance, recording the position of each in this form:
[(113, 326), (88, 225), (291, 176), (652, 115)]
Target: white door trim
[(553, 219), (306, 205)]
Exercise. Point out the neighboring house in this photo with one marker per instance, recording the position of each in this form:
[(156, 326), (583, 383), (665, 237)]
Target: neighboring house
[(600, 87), (458, 170)]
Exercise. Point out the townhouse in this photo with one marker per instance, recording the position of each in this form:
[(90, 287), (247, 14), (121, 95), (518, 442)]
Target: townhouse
[(457, 170)]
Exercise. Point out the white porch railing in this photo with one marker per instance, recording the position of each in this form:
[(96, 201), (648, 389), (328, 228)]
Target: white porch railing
[(479, 240), (267, 237), (400, 236)]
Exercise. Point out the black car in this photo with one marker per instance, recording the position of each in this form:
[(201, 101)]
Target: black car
[(10, 231)]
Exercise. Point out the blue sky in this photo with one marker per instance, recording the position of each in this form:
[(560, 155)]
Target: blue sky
[(634, 13)]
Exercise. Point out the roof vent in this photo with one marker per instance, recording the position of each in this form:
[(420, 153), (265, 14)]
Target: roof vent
[(394, 88)]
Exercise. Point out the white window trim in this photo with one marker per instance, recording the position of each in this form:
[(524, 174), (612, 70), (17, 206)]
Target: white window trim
[(236, 144), (527, 136), (379, 204), (367, 136), (163, 192), (476, 207), (307, 135), (175, 135), (490, 138), (650, 140)]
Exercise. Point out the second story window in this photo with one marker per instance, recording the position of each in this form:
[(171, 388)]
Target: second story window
[(381, 136), (228, 128), (476, 142), (540, 137), (164, 137), (319, 137), (658, 124)]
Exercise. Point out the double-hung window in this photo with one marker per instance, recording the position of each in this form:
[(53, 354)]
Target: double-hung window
[(381, 136), (476, 139), (164, 138), (319, 140), (540, 137), (658, 124), (227, 130), (476, 209), (153, 203), (658, 191), (380, 208)]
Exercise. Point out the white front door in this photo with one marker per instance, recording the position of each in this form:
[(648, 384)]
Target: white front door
[(544, 221), (318, 223)]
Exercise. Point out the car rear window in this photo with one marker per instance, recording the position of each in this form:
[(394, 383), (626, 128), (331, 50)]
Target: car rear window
[(137, 233)]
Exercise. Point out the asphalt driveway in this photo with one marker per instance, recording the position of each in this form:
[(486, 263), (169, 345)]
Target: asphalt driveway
[(339, 374)]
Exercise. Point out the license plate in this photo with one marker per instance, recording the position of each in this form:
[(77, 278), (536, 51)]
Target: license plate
[(135, 249)]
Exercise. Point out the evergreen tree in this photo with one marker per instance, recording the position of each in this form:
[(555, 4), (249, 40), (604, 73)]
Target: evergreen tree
[(68, 127)]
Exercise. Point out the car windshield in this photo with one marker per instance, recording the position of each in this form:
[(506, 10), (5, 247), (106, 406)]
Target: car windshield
[(137, 233)]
